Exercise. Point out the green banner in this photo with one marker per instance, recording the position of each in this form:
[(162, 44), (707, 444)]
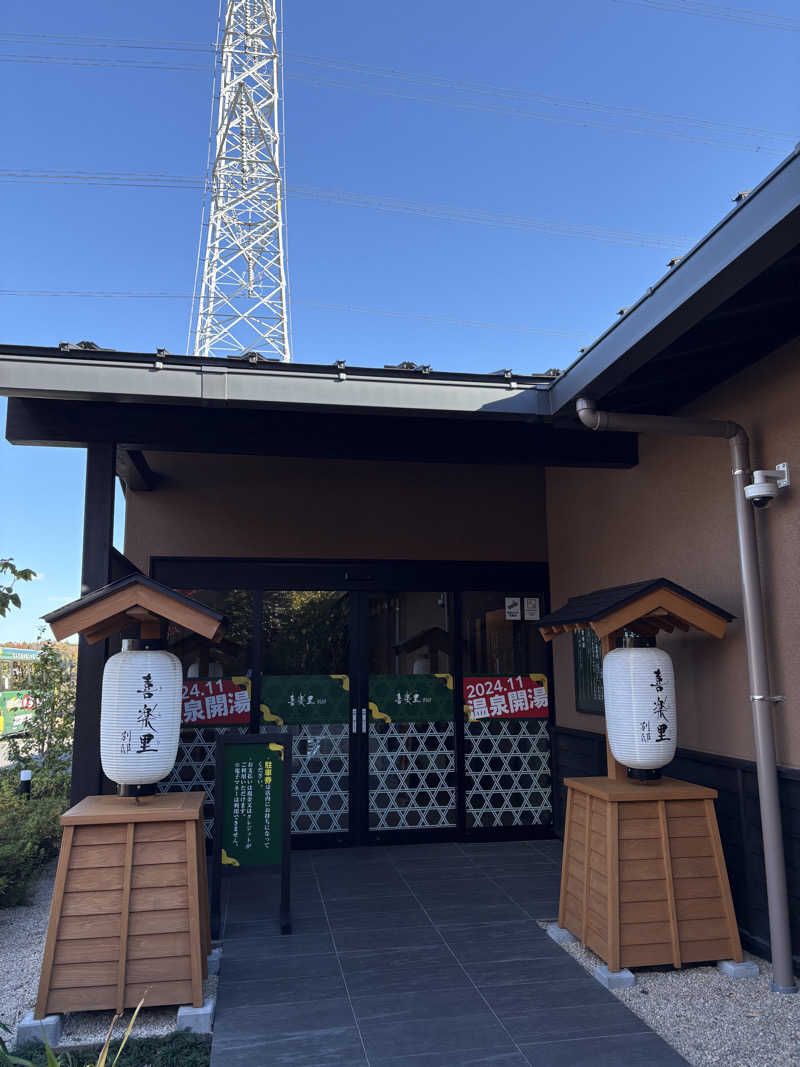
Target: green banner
[(411, 697), (305, 698), (15, 708), (252, 810)]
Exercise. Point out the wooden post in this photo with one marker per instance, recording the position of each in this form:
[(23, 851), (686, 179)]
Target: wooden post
[(616, 772), (98, 538)]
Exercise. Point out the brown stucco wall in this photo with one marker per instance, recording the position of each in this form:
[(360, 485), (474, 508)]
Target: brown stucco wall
[(209, 505), (673, 516)]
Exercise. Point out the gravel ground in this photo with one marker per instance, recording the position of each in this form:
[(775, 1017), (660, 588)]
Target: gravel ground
[(710, 1019), (22, 935)]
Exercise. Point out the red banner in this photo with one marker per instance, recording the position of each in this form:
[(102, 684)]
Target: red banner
[(521, 696), (216, 702)]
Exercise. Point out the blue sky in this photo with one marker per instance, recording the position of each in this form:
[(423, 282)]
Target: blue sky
[(424, 140)]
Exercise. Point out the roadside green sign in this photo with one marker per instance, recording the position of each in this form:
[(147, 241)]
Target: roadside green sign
[(252, 808), (305, 698), (15, 708), (411, 697)]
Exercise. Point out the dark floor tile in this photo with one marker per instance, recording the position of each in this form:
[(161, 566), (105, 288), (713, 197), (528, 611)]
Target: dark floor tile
[(261, 949), (431, 1004), (244, 969), (378, 919), (266, 989), (466, 1058), (378, 938), (243, 1024), (500, 941), (335, 1047), (633, 1050), (467, 912), (587, 1020), (533, 996), (402, 900), (267, 927), (487, 973), (401, 970), (357, 889), (452, 1034)]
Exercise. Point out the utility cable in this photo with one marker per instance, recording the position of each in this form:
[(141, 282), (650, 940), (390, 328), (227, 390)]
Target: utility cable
[(721, 12)]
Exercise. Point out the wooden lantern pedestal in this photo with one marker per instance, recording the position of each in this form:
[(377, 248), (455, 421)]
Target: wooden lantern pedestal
[(130, 906), (644, 881)]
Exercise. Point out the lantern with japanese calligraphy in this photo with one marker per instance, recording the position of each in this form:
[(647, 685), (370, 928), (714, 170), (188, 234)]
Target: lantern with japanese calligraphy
[(140, 717), (639, 695)]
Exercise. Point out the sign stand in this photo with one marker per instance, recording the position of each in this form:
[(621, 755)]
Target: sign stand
[(252, 812)]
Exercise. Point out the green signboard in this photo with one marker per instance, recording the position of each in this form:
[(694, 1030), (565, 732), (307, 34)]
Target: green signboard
[(305, 698), (252, 805), (15, 709), (411, 697)]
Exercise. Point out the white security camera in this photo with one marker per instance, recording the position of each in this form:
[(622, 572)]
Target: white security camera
[(766, 485)]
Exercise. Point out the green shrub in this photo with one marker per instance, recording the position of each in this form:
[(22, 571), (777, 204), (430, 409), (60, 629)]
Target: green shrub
[(30, 832), (186, 1050)]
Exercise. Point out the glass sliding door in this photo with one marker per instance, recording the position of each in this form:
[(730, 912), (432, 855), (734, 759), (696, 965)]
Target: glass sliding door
[(305, 688), (411, 764), (506, 708)]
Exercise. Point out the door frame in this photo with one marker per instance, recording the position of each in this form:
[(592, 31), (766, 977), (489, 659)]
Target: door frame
[(362, 577)]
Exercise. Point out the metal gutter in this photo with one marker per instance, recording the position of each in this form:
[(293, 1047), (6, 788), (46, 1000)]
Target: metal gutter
[(745, 242), (158, 378)]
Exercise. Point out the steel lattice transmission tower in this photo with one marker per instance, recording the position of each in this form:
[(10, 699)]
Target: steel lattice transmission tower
[(243, 294)]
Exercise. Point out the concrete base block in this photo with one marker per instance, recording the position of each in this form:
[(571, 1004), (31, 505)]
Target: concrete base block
[(197, 1020), (214, 960), (730, 969), (47, 1029), (623, 979), (560, 935)]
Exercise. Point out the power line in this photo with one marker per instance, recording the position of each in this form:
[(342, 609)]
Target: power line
[(721, 12), (667, 125), (441, 212), (436, 320)]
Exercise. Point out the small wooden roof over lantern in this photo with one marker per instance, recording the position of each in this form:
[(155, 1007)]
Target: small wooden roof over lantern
[(133, 601), (643, 607), (646, 608)]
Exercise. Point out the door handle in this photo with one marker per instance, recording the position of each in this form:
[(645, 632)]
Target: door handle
[(363, 720), (355, 721)]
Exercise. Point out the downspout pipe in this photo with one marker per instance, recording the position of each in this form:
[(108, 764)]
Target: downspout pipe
[(761, 698)]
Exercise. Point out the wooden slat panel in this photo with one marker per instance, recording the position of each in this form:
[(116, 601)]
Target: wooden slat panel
[(688, 827), (677, 809), (159, 852), (87, 950), (159, 899), (697, 951), (159, 969), (669, 871), (125, 918), (151, 946), (159, 874), (158, 993), (649, 889), (724, 886), (99, 903), (158, 831), (638, 828), (89, 878), (597, 844), (586, 869), (72, 975), (573, 887), (568, 830), (612, 883), (644, 933), (597, 944), (598, 902), (88, 926), (99, 835), (576, 870), (690, 846), (598, 820), (640, 870), (642, 809), (694, 867), (647, 955), (56, 904), (597, 862), (97, 856), (703, 929), (158, 922), (704, 908), (598, 883), (644, 911), (79, 999), (692, 888), (195, 933), (647, 848)]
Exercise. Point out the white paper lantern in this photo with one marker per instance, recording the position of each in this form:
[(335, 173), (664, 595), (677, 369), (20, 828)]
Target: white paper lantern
[(641, 717), (140, 716)]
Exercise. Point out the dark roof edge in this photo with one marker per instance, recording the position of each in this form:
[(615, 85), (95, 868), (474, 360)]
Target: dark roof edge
[(629, 593), (121, 583)]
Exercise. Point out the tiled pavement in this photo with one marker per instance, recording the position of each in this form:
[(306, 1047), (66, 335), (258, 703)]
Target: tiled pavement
[(415, 956)]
